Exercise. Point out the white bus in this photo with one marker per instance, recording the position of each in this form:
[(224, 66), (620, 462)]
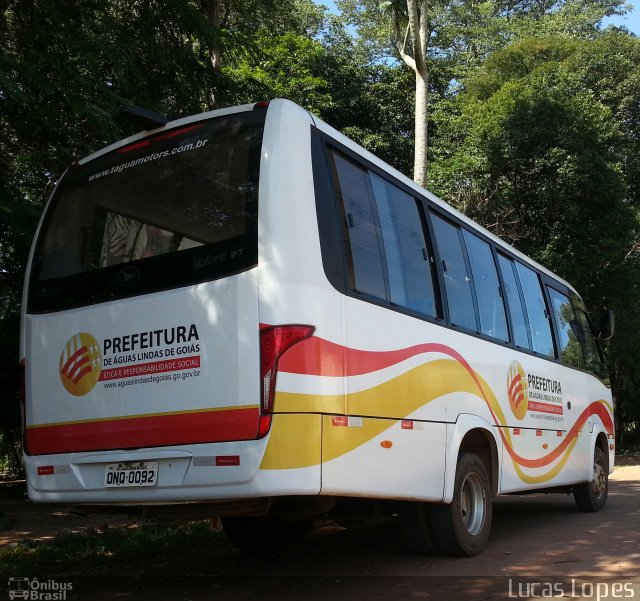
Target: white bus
[(246, 312)]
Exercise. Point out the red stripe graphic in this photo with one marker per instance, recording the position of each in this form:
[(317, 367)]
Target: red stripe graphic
[(515, 383), (316, 356), (145, 431), (516, 392), (83, 372), (66, 368)]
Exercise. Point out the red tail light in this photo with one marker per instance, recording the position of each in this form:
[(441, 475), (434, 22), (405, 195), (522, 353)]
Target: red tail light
[(159, 138), (274, 342)]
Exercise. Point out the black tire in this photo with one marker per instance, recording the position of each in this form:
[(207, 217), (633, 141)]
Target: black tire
[(253, 534), (592, 496), (462, 528), (415, 527)]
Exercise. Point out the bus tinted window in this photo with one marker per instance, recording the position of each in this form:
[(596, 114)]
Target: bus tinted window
[(457, 280), (410, 281), (189, 194), (589, 346), (569, 329), (493, 321), (539, 326), (515, 303), (362, 234), (170, 196)]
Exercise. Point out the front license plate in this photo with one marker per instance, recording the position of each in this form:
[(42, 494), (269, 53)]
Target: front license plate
[(133, 473)]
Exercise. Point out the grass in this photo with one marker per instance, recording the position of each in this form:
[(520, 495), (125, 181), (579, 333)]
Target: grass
[(160, 552)]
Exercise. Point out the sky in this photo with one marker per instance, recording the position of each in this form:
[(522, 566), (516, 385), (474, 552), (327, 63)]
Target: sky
[(631, 20)]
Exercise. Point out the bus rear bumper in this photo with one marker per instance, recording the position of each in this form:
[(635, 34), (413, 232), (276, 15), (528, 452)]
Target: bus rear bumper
[(195, 473)]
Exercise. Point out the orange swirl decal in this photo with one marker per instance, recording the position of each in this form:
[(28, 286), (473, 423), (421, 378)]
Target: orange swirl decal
[(596, 408), (319, 357)]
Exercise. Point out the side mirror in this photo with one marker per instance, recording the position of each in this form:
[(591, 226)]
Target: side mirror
[(605, 324)]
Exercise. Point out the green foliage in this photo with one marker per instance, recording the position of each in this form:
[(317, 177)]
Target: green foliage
[(367, 102), (383, 123), (288, 66), (539, 149), (301, 17)]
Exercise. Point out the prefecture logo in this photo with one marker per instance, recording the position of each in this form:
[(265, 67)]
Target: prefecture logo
[(518, 390), (80, 363)]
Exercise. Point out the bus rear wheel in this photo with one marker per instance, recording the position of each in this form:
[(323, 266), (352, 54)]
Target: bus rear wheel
[(463, 527), (415, 527), (592, 496)]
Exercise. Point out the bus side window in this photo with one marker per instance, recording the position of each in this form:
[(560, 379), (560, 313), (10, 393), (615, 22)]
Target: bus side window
[(407, 256), (570, 331), (361, 230), (515, 303), (457, 279), (493, 320), (589, 346), (539, 324)]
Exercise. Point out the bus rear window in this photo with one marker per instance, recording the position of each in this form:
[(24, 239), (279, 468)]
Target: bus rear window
[(168, 205)]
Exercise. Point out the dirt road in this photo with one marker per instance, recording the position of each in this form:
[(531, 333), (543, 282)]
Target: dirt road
[(541, 547)]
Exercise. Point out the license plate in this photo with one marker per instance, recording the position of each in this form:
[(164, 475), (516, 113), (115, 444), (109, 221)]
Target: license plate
[(134, 473)]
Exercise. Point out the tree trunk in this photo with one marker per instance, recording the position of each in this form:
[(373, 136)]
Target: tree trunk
[(417, 13), (214, 18), (213, 13), (421, 129)]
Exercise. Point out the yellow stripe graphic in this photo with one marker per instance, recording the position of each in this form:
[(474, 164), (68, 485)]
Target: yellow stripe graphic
[(395, 399)]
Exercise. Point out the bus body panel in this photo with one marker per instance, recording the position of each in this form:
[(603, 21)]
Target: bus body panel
[(383, 458), (444, 374), (424, 375), (176, 368)]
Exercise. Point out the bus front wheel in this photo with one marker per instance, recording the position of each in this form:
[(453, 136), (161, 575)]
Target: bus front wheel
[(463, 526), (592, 496)]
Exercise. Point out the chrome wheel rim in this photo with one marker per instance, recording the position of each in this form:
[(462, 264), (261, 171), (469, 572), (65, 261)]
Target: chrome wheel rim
[(599, 484), (472, 504)]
